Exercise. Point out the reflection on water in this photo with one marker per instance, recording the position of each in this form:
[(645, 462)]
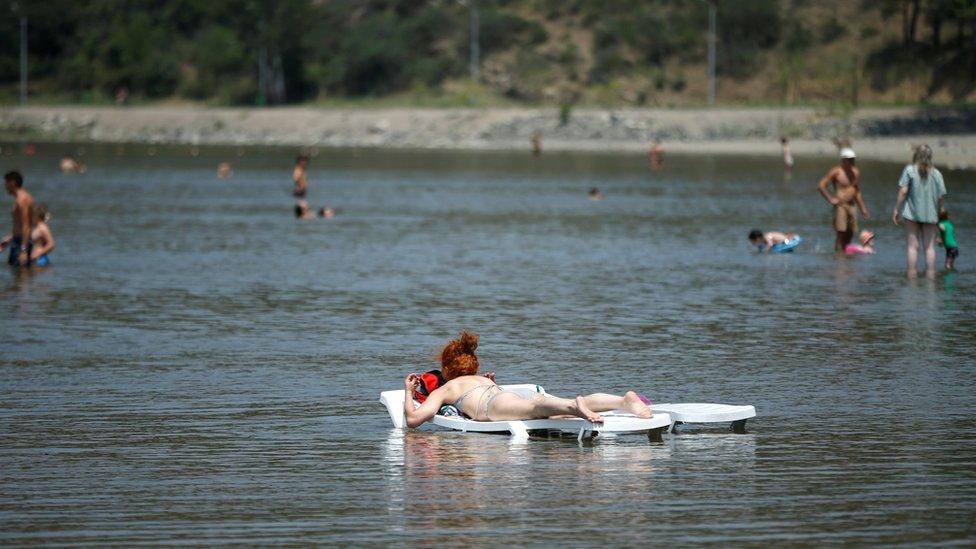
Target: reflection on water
[(200, 367)]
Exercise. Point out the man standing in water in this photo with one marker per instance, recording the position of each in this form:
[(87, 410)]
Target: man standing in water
[(847, 194), (19, 242), (300, 176)]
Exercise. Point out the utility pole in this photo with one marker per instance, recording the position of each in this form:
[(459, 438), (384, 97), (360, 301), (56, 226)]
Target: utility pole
[(474, 47), (711, 52)]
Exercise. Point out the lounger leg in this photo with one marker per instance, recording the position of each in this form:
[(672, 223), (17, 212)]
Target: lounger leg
[(739, 427), (518, 430), (655, 435)]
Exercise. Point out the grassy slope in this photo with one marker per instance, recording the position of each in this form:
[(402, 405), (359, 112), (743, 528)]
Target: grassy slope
[(828, 73)]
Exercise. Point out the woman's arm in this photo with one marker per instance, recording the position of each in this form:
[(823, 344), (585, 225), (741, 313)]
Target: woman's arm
[(48, 239), (418, 416), (896, 213)]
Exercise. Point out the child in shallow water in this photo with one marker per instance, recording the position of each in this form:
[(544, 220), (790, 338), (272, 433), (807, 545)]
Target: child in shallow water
[(947, 233), (864, 248), (41, 236), (767, 241)]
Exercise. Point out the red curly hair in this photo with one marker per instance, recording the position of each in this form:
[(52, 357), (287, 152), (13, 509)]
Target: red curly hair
[(458, 358)]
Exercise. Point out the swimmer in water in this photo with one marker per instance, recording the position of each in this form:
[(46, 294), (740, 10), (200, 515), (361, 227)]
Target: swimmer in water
[(70, 164), (595, 194), (224, 170), (302, 211), (327, 213), (300, 176), (866, 246), (766, 241)]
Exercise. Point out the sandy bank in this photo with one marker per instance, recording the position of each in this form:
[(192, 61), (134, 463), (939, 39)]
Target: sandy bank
[(884, 134)]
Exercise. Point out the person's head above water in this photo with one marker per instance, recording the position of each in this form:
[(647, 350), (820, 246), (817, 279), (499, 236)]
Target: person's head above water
[(458, 358), (755, 236), (866, 237)]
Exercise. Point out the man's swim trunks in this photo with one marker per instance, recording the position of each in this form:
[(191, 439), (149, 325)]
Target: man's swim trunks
[(845, 218), (14, 259)]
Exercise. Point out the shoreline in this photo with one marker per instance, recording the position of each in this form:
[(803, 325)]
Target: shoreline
[(885, 134)]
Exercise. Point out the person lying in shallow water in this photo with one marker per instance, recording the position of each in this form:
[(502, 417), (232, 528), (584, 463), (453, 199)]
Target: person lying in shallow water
[(479, 398)]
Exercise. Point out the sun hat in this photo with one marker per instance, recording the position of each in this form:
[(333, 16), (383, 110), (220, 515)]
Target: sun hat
[(847, 152)]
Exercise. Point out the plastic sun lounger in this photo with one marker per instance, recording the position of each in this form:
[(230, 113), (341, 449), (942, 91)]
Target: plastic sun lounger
[(702, 412), (613, 422)]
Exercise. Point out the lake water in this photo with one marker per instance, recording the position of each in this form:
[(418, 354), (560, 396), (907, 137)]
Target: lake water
[(200, 367)]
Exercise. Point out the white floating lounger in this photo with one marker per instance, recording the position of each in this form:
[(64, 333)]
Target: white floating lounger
[(702, 412), (614, 422)]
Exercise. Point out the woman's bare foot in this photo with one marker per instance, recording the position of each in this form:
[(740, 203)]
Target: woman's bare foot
[(585, 413), (633, 404)]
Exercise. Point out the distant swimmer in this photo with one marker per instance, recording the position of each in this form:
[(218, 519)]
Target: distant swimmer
[(866, 247), (224, 170), (773, 241), (595, 194), (41, 236), (19, 240), (300, 176), (537, 143), (303, 211), (656, 153), (787, 153), (846, 199), (70, 164)]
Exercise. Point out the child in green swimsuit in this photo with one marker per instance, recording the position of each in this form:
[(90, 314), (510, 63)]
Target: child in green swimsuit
[(948, 234)]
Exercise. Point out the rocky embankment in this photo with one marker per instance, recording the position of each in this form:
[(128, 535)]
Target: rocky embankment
[(879, 133)]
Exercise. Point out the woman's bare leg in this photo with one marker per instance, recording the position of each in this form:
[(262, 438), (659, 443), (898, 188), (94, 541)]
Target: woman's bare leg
[(929, 231), (603, 402), (512, 407), (912, 236)]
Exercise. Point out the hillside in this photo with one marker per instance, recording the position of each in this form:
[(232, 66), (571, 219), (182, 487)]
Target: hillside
[(536, 52)]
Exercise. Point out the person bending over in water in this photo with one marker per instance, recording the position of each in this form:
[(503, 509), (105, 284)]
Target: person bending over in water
[(766, 241), (479, 398)]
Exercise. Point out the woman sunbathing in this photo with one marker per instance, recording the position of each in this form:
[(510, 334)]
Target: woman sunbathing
[(479, 398)]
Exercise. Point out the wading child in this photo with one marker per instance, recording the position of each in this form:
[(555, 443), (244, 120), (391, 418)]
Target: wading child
[(864, 248), (948, 234), (41, 235)]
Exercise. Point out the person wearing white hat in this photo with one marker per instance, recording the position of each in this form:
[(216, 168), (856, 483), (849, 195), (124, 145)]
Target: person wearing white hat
[(846, 198)]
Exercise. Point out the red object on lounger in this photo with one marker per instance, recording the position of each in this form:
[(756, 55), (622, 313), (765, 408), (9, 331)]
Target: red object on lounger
[(428, 382)]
